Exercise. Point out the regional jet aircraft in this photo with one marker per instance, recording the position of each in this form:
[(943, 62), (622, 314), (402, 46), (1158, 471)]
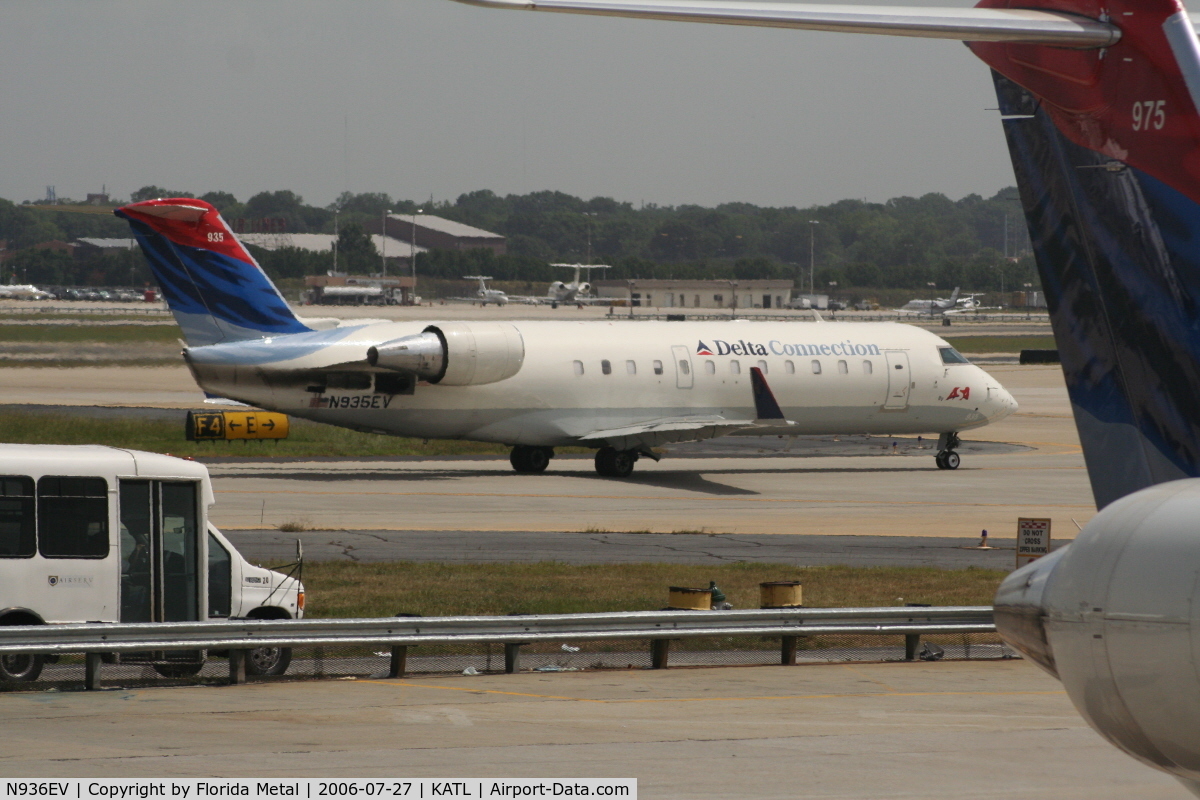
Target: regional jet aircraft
[(618, 386), (1100, 103)]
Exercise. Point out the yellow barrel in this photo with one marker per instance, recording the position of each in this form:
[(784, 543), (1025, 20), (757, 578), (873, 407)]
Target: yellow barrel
[(780, 594), (684, 599)]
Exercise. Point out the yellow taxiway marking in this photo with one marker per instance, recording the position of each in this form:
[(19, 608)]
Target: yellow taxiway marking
[(828, 696)]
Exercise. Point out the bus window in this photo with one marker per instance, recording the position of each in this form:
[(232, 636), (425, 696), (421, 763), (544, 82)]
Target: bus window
[(73, 517), (136, 548), (16, 517), (220, 579)]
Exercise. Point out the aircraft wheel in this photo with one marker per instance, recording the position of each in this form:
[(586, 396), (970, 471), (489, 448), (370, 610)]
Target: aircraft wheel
[(530, 459), (940, 460), (615, 463), (951, 460)]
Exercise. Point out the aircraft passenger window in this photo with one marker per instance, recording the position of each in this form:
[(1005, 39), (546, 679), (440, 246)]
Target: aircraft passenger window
[(868, 368), (762, 365), (685, 367), (578, 367), (789, 368), (843, 367), (816, 365), (73, 517), (16, 517), (658, 369), (631, 367), (606, 367), (735, 367), (952, 356), (710, 368)]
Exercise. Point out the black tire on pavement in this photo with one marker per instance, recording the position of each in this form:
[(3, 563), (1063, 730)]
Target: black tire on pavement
[(268, 660), (23, 667)]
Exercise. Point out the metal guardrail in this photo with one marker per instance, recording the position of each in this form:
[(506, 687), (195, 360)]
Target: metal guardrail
[(660, 627)]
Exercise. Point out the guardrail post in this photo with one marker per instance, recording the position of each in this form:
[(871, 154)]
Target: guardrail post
[(911, 640), (512, 657), (787, 650), (659, 650), (237, 667), (91, 671), (399, 661)]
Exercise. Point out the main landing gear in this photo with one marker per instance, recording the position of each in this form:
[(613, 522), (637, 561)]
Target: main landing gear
[(526, 458), (946, 458), (613, 463)]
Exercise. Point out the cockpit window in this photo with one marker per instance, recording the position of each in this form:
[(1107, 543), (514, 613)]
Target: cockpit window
[(952, 356)]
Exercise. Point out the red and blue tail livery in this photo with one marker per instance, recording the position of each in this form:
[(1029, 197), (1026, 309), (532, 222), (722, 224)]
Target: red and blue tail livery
[(213, 286)]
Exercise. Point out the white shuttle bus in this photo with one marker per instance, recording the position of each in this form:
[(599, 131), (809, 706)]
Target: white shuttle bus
[(100, 534)]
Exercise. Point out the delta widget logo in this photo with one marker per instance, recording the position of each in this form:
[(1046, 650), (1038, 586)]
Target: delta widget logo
[(703, 350)]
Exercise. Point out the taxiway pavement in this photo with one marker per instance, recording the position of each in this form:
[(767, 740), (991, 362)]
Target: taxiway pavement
[(911, 730)]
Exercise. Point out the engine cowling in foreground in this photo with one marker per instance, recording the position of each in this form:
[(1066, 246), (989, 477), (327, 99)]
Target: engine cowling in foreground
[(455, 353)]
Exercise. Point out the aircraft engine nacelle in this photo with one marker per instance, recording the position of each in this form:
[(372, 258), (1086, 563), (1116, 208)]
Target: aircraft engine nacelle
[(584, 288), (1116, 617), (455, 353)]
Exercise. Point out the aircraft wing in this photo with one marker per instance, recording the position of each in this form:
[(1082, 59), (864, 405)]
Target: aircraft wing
[(964, 24), (668, 430), (968, 310)]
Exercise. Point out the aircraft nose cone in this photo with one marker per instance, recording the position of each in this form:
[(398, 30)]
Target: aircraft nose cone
[(1003, 403)]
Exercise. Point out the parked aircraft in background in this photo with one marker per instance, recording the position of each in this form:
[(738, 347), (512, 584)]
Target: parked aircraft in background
[(484, 295), (576, 291), (23, 292), (954, 304), (620, 387), (1101, 110)]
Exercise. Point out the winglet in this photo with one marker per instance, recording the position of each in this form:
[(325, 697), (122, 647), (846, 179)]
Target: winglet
[(765, 406)]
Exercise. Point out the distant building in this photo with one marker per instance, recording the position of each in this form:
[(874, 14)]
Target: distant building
[(660, 293), (53, 245), (397, 252), (437, 233), (88, 246)]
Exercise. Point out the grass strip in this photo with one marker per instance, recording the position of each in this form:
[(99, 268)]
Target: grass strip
[(1000, 344), (49, 333), (338, 589), (165, 436)]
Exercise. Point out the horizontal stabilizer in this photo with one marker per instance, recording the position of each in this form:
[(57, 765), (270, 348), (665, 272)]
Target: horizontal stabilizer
[(964, 24)]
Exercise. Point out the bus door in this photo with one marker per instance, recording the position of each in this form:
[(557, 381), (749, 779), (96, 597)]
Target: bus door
[(160, 546)]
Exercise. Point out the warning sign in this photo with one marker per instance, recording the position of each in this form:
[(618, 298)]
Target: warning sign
[(1033, 539), (220, 426)]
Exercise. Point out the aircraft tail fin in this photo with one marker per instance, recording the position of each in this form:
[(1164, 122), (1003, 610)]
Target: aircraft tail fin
[(1106, 148), (213, 286), (954, 297)]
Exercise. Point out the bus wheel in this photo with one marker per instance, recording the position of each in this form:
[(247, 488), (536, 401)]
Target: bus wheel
[(21, 667), (268, 660), (180, 670)]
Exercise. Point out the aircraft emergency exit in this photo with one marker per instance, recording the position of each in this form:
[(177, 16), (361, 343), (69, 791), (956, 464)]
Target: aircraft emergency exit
[(618, 386)]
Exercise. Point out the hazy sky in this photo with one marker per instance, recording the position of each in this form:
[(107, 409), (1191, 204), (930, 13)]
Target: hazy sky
[(430, 97)]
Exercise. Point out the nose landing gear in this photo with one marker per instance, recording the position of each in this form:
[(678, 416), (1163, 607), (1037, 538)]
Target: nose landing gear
[(946, 458)]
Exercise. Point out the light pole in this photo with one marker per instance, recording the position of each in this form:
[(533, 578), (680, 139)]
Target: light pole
[(932, 287), (383, 242), (812, 232), (631, 299), (335, 240), (412, 253), (832, 290), (1028, 301), (733, 299)]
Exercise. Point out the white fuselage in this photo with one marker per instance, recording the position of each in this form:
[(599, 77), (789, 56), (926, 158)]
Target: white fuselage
[(580, 377)]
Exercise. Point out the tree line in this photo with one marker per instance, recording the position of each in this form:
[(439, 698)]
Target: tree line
[(978, 243)]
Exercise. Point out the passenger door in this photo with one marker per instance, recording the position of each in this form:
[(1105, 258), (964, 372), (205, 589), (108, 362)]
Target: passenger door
[(160, 546), (899, 380), (683, 366)]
